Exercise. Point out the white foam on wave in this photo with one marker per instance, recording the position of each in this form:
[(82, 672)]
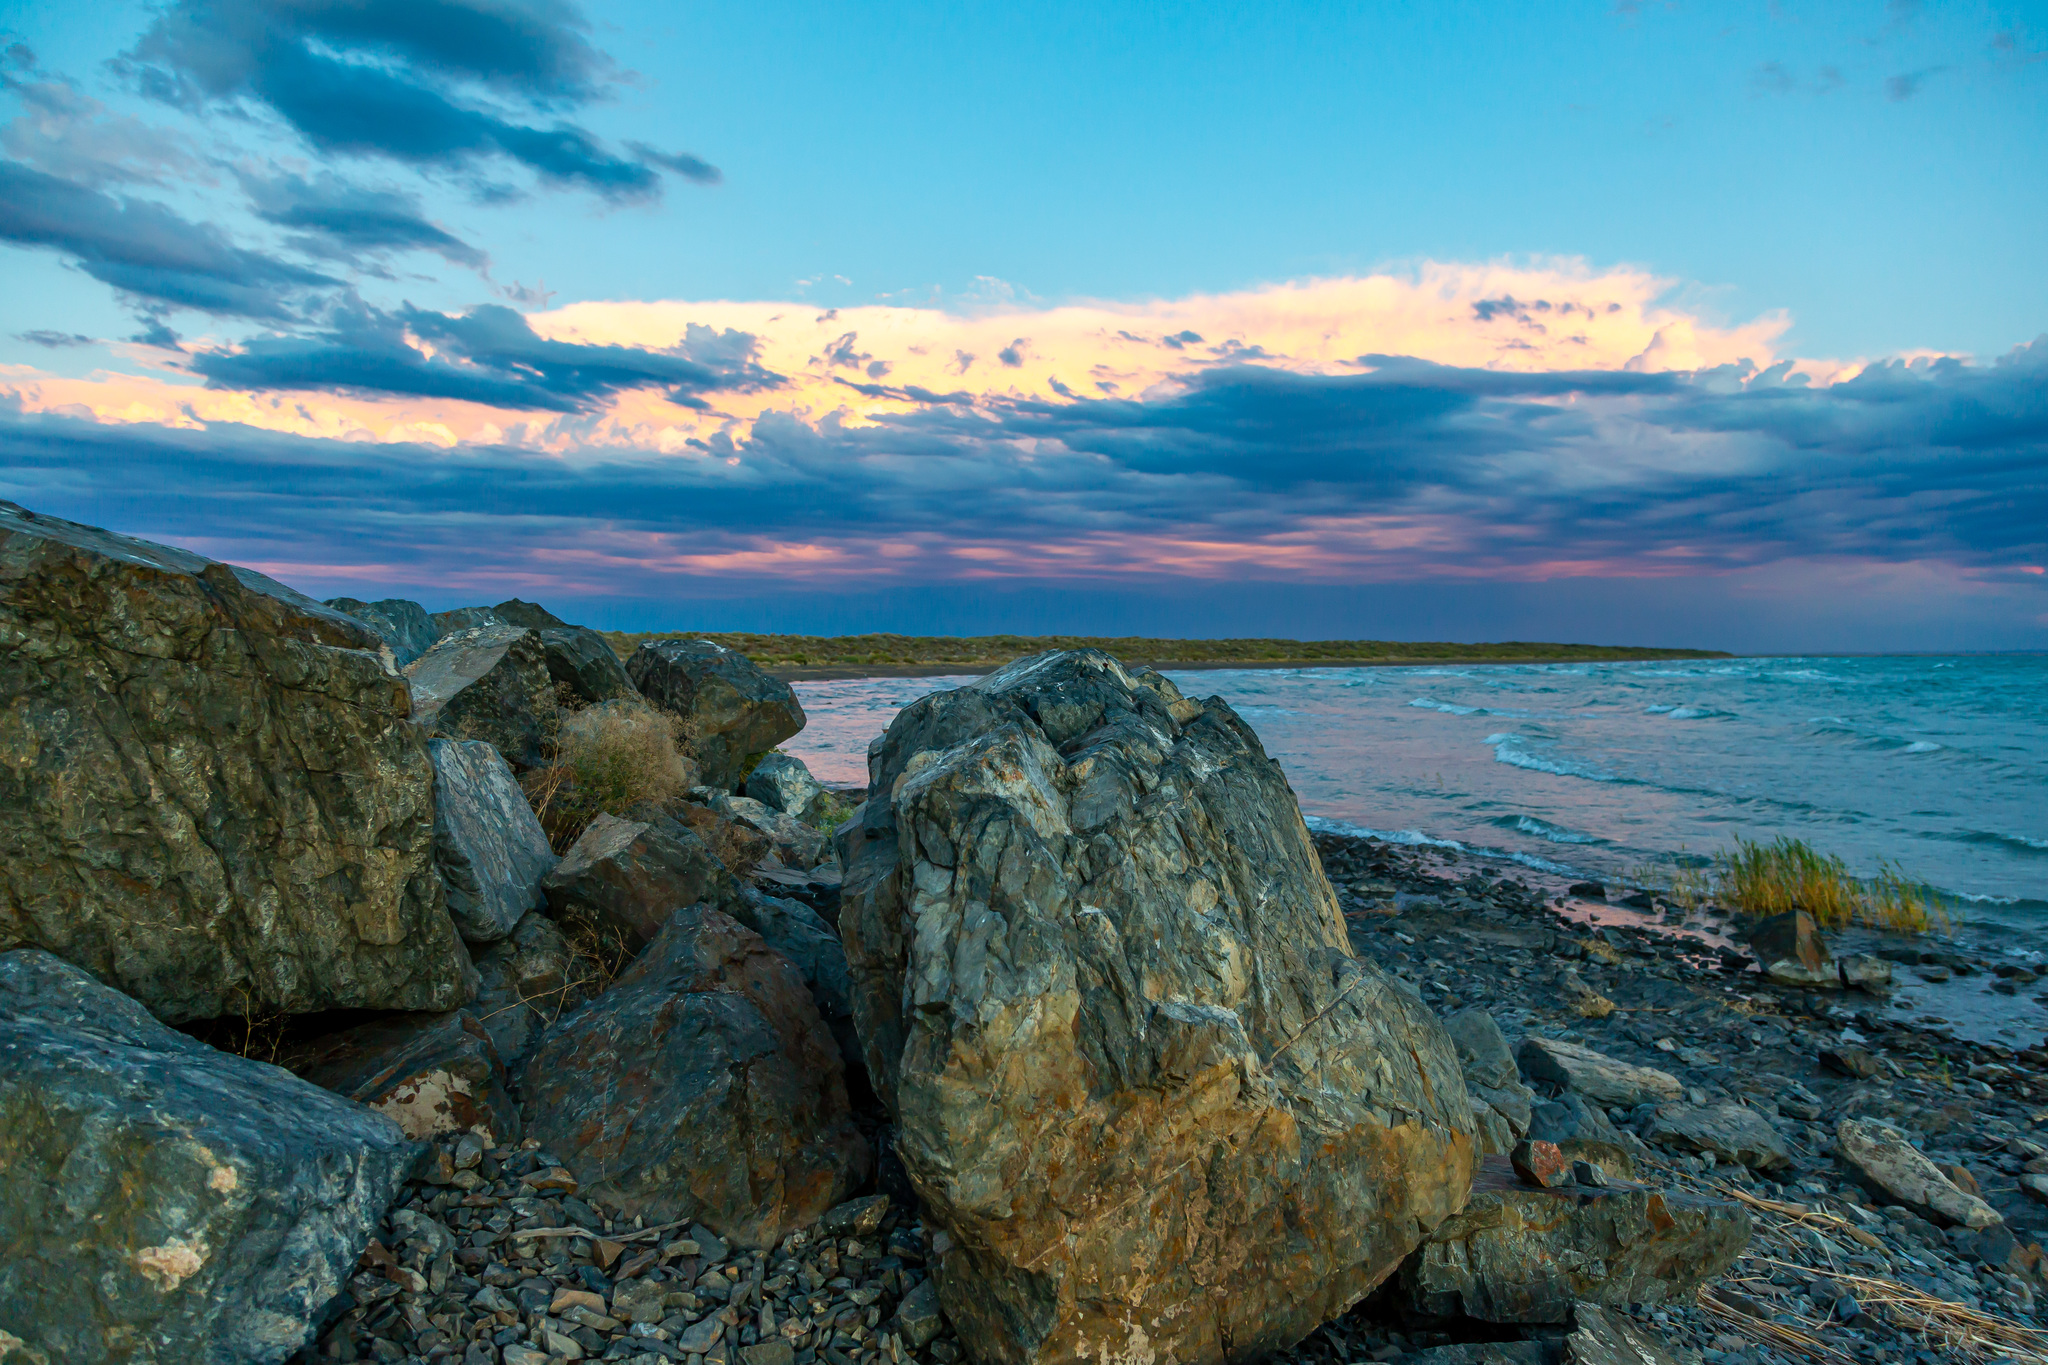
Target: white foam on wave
[(1447, 707), (1415, 838), (1921, 746), (1556, 834), (1508, 749)]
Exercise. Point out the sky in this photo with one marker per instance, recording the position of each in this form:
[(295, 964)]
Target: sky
[(1669, 324)]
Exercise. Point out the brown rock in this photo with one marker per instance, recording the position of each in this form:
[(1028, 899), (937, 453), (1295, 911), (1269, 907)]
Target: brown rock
[(1791, 948), (1960, 1177), (490, 683), (1886, 1164), (1853, 1062), (732, 711), (1540, 1163), (740, 847), (210, 794), (428, 1073), (632, 875)]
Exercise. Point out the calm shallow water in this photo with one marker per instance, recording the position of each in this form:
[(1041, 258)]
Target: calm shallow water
[(1937, 765)]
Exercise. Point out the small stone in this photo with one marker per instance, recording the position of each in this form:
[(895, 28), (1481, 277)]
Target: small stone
[(918, 1315), (699, 1337), (469, 1151), (776, 1352), (516, 1354), (1846, 1308), (1590, 1174), (570, 1298), (1540, 1163), (554, 1178), (1853, 1062)]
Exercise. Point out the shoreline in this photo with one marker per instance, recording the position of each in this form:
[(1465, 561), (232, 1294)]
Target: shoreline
[(962, 669)]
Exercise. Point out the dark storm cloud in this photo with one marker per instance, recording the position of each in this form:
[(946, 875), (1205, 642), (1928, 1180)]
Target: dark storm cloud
[(488, 355), (333, 217), (430, 83)]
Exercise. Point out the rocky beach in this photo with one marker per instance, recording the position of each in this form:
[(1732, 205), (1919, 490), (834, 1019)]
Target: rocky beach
[(385, 986)]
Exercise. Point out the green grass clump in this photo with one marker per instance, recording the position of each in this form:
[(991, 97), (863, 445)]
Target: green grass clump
[(604, 760), (1790, 874)]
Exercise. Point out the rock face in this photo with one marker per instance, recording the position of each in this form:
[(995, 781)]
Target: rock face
[(794, 843), (467, 618), (428, 1073), (1522, 1254), (210, 796), (701, 1086), (1886, 1164), (1156, 1104), (1727, 1130), (1598, 1077), (404, 626), (782, 782), (732, 711), (798, 932), (489, 848), (633, 874), (529, 979), (1501, 1104), (165, 1201), (532, 615), (581, 661), (490, 683)]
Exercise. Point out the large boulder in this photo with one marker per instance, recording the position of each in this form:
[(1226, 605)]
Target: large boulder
[(732, 711), (1604, 1080), (812, 946), (529, 979), (701, 1086), (1501, 1104), (467, 618), (164, 1201), (584, 664), (532, 615), (489, 848), (1154, 1103), (632, 874), (1518, 1253), (1883, 1162), (428, 1073), (782, 782), (488, 682), (404, 626), (211, 797)]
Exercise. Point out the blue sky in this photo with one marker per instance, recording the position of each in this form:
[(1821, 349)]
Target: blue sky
[(315, 284)]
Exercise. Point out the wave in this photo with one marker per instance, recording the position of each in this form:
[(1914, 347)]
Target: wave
[(1449, 708), (1507, 749), (1543, 829), (1673, 712), (2018, 843), (1921, 746), (1415, 838)]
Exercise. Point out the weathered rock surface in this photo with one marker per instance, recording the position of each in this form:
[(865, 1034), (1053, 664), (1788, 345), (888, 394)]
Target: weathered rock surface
[(813, 947), (490, 850), (1518, 1253), (467, 618), (210, 796), (633, 874), (782, 782), (1790, 948), (1730, 1131), (1601, 1079), (1886, 1164), (702, 1085), (529, 979), (490, 683), (402, 625), (1155, 1102), (532, 615), (167, 1202), (794, 843), (1501, 1103), (739, 847), (732, 711), (428, 1073), (1603, 1338), (581, 661)]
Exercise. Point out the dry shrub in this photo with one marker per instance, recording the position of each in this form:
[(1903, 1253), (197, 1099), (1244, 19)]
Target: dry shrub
[(606, 758)]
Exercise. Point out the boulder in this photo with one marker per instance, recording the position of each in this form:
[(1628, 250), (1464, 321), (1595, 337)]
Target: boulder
[(491, 683), (403, 626), (490, 850), (782, 782), (210, 797), (732, 711), (1152, 1101), (428, 1073), (1729, 1131), (529, 979), (794, 843), (166, 1201), (1501, 1103), (702, 1085), (1791, 948), (739, 847), (813, 947), (633, 874), (1884, 1163), (584, 664), (1600, 1078), (532, 615), (1521, 1253), (467, 618)]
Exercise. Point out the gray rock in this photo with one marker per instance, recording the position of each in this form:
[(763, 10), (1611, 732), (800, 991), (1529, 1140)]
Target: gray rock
[(490, 850), (1518, 1253), (703, 1086), (1145, 1089), (1481, 1353), (1790, 948), (732, 711), (918, 1315), (532, 615), (491, 683), (584, 663), (529, 979), (634, 874), (211, 800), (1729, 1131), (1482, 1049), (467, 618), (782, 782), (1604, 1338), (1881, 1160), (1601, 1079), (404, 626), (813, 947), (166, 1201), (795, 844), (428, 1073)]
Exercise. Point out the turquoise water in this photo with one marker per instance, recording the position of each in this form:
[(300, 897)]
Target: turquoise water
[(1939, 766)]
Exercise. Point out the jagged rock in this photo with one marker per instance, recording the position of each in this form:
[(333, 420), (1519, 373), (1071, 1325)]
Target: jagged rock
[(1860, 971), (702, 1085), (210, 796), (529, 979), (491, 683), (532, 615), (402, 625), (1539, 1164), (1729, 1131), (1521, 1253), (1791, 948), (1881, 1160), (799, 934), (1568, 1118), (1501, 1103), (1603, 1338), (467, 618), (817, 887), (633, 874), (782, 782), (1158, 1108), (1600, 1078), (793, 842), (732, 711), (1483, 1353), (490, 850), (584, 663), (428, 1073), (166, 1201), (739, 847)]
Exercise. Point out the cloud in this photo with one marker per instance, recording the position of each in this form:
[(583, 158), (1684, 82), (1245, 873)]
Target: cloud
[(1900, 88), (332, 217), (73, 136), (55, 341), (429, 83)]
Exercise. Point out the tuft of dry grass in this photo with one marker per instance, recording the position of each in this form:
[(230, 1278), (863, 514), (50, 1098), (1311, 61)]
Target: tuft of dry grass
[(606, 758), (1790, 874)]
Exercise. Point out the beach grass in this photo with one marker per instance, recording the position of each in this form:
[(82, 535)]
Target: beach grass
[(1790, 874)]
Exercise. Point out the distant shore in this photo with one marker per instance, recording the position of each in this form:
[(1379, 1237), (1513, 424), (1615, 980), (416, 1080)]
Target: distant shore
[(829, 672)]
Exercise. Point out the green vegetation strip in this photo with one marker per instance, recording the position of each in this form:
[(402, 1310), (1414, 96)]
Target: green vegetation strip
[(979, 653)]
